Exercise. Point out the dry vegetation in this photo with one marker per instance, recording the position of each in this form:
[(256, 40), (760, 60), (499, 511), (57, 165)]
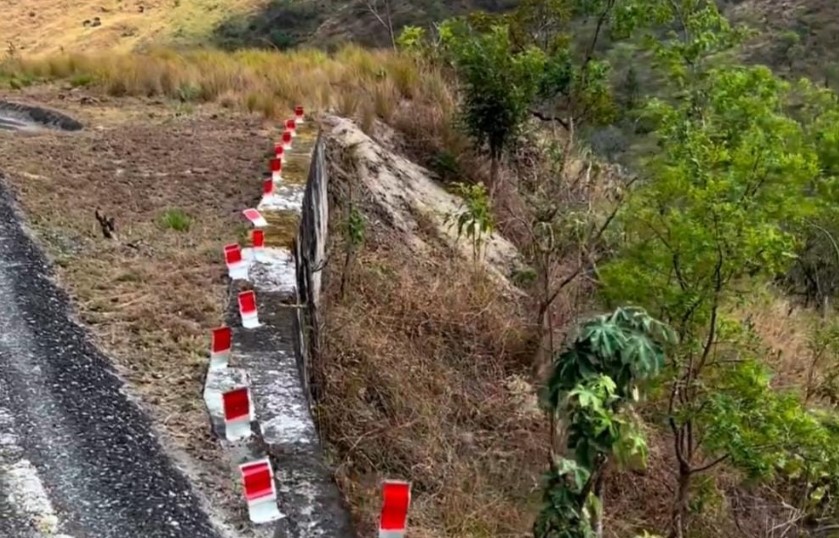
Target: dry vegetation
[(353, 82), (426, 367), (175, 185), (425, 375)]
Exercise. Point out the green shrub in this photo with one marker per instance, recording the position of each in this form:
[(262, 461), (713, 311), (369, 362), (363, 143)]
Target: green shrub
[(176, 219)]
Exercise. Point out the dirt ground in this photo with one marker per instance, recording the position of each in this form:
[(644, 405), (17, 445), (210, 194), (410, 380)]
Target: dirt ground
[(175, 179)]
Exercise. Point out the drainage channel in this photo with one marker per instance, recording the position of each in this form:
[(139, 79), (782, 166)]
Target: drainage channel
[(23, 117)]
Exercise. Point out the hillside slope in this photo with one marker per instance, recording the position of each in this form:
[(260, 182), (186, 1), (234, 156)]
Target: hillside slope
[(801, 37), (797, 36), (48, 26)]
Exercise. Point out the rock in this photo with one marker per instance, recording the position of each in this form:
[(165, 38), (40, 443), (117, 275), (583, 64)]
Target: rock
[(407, 196)]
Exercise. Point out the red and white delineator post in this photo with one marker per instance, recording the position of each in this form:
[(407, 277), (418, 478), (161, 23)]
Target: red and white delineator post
[(396, 500), (221, 341), (276, 165), (286, 140), (298, 114), (258, 244), (237, 266), (260, 491), (247, 309), (255, 217), (291, 125), (268, 187), (238, 413)]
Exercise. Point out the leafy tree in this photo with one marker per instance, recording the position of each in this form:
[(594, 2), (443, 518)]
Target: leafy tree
[(771, 435), (498, 84), (411, 39), (720, 208), (815, 274), (593, 383), (576, 87)]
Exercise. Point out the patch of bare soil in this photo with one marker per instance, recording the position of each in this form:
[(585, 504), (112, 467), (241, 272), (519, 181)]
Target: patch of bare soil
[(175, 180)]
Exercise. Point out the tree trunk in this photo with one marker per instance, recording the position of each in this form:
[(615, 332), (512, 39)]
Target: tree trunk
[(390, 24), (599, 487), (493, 175), (680, 506)]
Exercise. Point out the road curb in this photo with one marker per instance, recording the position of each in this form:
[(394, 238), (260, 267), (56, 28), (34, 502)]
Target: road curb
[(268, 359)]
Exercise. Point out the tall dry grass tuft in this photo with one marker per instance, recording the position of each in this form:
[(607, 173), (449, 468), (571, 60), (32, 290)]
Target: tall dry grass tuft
[(411, 95), (261, 81)]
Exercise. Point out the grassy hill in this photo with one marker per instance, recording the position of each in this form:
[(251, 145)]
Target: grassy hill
[(47, 26), (799, 36)]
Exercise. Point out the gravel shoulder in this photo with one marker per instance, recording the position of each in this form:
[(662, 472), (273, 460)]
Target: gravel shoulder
[(175, 179), (102, 472)]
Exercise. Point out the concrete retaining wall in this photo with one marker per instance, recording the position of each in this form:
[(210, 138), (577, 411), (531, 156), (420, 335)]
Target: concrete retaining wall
[(273, 359), (311, 257)]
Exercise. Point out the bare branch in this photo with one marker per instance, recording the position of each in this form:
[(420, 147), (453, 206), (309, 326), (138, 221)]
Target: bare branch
[(556, 119), (107, 224), (707, 466), (386, 20)]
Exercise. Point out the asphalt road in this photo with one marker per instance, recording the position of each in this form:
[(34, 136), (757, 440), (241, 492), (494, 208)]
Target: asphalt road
[(77, 458)]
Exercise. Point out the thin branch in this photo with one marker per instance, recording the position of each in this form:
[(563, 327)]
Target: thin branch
[(600, 21), (544, 117), (387, 22), (709, 465)]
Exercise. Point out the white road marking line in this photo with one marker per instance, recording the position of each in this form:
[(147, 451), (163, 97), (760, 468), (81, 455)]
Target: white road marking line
[(24, 489), (26, 492)]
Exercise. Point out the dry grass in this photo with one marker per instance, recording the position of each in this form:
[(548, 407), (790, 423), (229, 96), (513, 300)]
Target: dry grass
[(424, 373), (151, 298), (353, 82), (350, 81), (51, 26)]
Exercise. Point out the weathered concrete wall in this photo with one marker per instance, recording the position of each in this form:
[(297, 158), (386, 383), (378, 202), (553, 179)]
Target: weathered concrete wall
[(311, 256)]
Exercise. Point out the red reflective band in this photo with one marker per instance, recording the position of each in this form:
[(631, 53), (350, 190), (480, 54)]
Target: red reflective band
[(290, 124), (252, 214), (221, 339), (258, 481), (286, 137), (396, 497), (268, 187), (232, 254), (258, 238), (276, 165), (247, 302), (236, 404)]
